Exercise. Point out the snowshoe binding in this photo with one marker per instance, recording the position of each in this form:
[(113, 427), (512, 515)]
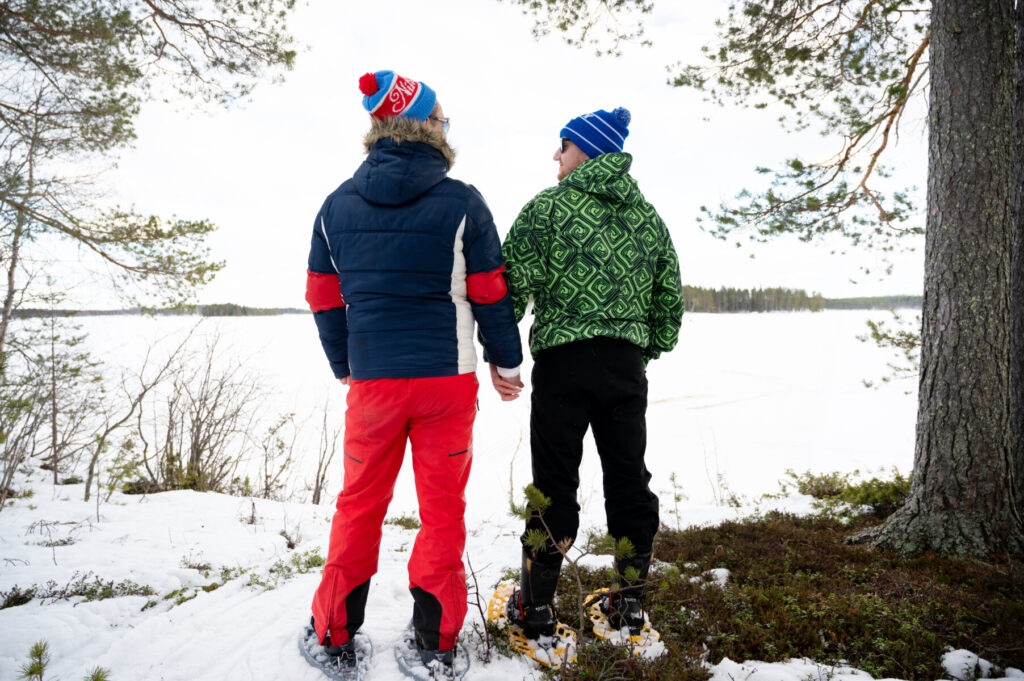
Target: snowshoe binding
[(622, 621), (348, 662), (429, 665), (532, 631)]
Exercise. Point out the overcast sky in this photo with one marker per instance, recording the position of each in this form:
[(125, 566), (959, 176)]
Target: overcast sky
[(261, 169)]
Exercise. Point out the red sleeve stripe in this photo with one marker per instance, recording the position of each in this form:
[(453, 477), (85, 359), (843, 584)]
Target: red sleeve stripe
[(322, 291), (486, 287)]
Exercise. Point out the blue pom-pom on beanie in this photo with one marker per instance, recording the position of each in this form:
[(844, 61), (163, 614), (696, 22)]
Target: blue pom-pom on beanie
[(600, 132)]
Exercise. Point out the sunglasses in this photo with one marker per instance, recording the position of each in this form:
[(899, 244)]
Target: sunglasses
[(445, 122), (565, 145)]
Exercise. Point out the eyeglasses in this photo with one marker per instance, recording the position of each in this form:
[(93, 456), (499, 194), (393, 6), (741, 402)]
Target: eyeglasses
[(445, 122), (565, 145)]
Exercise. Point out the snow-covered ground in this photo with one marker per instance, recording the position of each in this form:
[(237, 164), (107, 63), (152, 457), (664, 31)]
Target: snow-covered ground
[(744, 396)]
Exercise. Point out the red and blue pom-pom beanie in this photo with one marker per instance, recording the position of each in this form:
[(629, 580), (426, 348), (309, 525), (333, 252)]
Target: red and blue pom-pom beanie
[(388, 95), (597, 133)]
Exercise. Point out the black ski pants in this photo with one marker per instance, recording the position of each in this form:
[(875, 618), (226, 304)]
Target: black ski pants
[(600, 383)]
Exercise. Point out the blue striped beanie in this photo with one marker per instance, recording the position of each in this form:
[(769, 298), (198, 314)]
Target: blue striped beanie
[(598, 133)]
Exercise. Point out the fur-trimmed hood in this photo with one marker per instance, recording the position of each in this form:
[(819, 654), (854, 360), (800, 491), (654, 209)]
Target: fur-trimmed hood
[(403, 129)]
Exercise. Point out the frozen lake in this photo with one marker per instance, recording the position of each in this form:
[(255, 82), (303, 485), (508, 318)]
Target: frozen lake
[(743, 396), (746, 396)]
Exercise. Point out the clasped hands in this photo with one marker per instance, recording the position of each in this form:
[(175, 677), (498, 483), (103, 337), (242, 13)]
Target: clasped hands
[(508, 387)]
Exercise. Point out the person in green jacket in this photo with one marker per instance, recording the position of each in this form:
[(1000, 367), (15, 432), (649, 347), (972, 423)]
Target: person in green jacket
[(598, 262)]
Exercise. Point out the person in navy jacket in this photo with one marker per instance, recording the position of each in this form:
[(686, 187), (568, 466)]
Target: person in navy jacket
[(404, 263)]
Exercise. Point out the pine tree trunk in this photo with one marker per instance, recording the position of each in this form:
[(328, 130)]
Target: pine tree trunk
[(1017, 354), (963, 494)]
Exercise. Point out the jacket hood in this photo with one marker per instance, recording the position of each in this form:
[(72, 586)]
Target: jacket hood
[(606, 176), (405, 159), (395, 173)]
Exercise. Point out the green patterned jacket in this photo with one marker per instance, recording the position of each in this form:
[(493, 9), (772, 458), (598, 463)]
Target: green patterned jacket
[(597, 259)]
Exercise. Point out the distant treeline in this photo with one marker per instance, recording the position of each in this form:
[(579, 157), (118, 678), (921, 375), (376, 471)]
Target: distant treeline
[(216, 310), (46, 312), (697, 300), (233, 310), (875, 303), (750, 300)]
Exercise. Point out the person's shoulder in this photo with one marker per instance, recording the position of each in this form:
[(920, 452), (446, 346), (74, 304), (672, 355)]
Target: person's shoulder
[(544, 202), (346, 188), (449, 185), (551, 192), (544, 199), (650, 217), (331, 203), (452, 188)]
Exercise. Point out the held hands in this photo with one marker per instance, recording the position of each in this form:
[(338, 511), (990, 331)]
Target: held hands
[(508, 388)]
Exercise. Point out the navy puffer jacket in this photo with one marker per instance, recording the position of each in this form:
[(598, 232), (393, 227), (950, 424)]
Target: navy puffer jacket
[(403, 260)]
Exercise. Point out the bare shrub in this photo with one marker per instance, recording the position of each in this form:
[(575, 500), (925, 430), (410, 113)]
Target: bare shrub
[(277, 454), (194, 435), (20, 423), (118, 413), (328, 447)]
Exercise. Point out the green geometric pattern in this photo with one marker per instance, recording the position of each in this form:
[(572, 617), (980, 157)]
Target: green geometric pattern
[(597, 260)]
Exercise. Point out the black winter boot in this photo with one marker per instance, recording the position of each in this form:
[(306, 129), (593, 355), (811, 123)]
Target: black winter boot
[(345, 654), (624, 606), (530, 604), (535, 620), (539, 578), (637, 587), (445, 658)]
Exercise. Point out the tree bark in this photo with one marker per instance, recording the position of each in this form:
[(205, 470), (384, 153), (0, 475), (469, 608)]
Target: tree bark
[(1017, 354), (963, 498)]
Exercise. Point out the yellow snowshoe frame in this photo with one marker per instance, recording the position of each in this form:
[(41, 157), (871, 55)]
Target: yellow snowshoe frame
[(563, 650)]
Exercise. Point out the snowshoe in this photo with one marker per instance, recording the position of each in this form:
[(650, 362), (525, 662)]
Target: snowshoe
[(350, 665), (548, 651), (626, 626), (429, 665)]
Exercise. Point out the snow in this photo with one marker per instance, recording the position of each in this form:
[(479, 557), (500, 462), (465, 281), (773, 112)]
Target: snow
[(793, 670), (234, 632), (747, 396), (716, 576), (965, 665)]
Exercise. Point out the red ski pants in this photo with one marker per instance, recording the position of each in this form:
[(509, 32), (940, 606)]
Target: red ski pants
[(436, 415)]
